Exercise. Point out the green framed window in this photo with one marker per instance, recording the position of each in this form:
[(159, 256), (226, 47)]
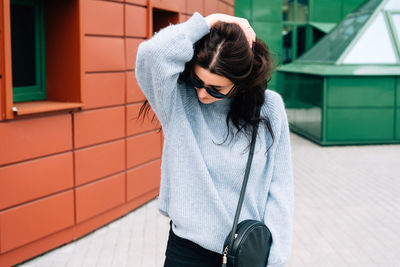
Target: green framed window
[(28, 50), (294, 22)]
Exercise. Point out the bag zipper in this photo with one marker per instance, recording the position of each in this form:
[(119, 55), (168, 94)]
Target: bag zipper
[(224, 257)]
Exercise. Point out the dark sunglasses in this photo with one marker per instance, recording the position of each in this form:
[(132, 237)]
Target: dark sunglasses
[(211, 91)]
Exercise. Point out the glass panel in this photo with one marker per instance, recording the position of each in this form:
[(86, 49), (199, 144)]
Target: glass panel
[(288, 10), (374, 46), (301, 40), (396, 22), (285, 10), (333, 45), (287, 36), (302, 10), (23, 45), (317, 35), (392, 5), (303, 101)]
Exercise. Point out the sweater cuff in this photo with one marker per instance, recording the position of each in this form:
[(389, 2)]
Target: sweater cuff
[(195, 27)]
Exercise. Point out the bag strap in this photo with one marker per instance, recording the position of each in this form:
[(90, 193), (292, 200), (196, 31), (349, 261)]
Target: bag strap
[(246, 177)]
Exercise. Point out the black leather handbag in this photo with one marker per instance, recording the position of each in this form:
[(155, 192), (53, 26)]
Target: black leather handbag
[(250, 245)]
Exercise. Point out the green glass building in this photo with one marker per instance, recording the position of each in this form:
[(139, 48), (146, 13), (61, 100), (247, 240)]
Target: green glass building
[(343, 87), (291, 27)]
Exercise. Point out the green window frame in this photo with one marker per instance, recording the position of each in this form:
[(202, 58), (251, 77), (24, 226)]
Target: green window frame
[(292, 25), (35, 89)]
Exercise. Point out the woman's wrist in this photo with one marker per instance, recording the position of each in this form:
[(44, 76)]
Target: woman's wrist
[(211, 20)]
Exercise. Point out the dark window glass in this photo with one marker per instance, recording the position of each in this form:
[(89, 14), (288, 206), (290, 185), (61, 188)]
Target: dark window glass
[(301, 40), (288, 10), (285, 10), (317, 35), (23, 45), (287, 44)]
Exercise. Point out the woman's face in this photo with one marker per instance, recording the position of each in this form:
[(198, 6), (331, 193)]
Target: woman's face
[(212, 81)]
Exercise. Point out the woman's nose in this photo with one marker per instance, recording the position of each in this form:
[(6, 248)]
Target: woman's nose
[(202, 93)]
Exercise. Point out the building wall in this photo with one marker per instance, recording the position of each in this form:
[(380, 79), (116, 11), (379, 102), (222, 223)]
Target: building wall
[(331, 11), (267, 20), (64, 174)]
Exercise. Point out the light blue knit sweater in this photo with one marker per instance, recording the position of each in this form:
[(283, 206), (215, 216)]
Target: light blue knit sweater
[(201, 180)]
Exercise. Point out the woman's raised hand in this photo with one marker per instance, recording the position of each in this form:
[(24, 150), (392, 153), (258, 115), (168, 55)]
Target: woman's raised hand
[(243, 23)]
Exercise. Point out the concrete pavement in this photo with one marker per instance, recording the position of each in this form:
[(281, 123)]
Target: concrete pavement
[(347, 213)]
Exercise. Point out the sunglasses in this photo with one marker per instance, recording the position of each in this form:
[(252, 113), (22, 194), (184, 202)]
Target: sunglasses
[(210, 90)]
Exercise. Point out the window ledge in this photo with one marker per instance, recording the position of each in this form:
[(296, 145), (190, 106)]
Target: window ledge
[(32, 107)]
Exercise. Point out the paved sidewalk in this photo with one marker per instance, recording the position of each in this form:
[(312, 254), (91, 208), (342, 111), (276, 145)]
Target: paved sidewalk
[(347, 213)]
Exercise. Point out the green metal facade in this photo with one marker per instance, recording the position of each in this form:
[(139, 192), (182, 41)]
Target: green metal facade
[(329, 99), (341, 93), (331, 11), (266, 18), (339, 110), (305, 21)]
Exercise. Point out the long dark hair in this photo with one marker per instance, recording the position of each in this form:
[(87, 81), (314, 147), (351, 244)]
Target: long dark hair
[(225, 51)]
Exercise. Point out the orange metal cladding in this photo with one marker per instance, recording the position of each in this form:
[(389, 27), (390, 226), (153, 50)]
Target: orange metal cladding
[(5, 56), (2, 52), (64, 174)]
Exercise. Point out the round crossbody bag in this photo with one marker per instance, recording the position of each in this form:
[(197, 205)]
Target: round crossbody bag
[(250, 247), (251, 243)]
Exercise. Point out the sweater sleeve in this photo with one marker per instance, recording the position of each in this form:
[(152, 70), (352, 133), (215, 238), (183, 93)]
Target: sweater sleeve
[(279, 209), (161, 59)]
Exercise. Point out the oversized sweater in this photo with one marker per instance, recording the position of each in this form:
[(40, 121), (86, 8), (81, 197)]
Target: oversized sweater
[(201, 179)]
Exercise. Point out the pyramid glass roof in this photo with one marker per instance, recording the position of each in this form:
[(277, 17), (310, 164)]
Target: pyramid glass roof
[(368, 35)]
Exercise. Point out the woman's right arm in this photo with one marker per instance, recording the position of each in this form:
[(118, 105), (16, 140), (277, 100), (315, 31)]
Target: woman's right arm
[(161, 59)]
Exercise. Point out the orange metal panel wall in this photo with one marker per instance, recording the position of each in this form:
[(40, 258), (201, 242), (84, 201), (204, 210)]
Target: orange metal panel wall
[(99, 161), (193, 6), (99, 196), (68, 174), (137, 2), (134, 16), (26, 139), (98, 93), (99, 125), (31, 179), (104, 18), (104, 53), (36, 219), (142, 179), (133, 94), (135, 126)]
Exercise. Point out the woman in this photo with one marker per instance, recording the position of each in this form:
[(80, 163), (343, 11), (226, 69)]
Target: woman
[(204, 79)]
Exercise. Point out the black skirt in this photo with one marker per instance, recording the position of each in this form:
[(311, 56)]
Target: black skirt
[(181, 252)]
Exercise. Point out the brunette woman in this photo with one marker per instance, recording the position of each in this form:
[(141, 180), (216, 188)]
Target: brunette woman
[(205, 79)]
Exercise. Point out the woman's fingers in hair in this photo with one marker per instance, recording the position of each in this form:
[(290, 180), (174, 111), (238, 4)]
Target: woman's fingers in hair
[(250, 35), (247, 29), (243, 24)]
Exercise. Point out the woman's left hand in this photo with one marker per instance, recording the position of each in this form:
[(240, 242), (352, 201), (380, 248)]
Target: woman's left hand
[(243, 23)]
